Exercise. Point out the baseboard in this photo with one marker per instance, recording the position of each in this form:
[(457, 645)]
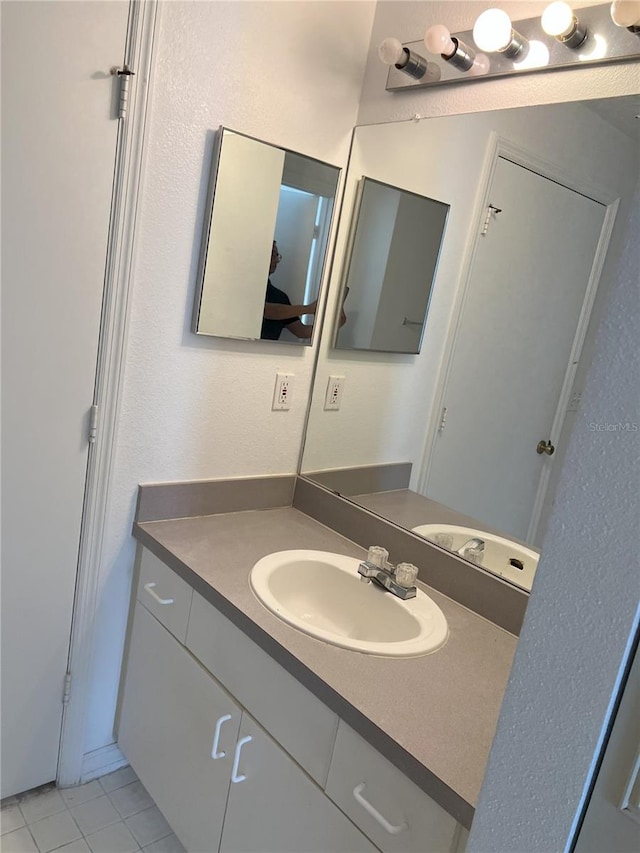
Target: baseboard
[(101, 761)]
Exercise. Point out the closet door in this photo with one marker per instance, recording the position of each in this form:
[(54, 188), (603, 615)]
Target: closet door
[(58, 153), (178, 728)]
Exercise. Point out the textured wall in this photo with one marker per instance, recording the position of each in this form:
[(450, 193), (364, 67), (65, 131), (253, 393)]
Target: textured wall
[(195, 407)]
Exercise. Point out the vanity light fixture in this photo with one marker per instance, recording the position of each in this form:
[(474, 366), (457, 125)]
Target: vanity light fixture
[(493, 32), (626, 13), (560, 38), (391, 52), (559, 21), (438, 40)]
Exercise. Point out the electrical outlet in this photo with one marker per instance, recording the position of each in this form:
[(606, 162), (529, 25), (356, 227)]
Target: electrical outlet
[(282, 392), (333, 397)]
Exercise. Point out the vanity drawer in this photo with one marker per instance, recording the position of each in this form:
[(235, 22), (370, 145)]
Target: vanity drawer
[(292, 715), (164, 594), (393, 812)]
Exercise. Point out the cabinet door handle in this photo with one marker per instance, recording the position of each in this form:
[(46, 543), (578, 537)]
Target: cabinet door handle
[(150, 589), (375, 814), (236, 759), (216, 737)]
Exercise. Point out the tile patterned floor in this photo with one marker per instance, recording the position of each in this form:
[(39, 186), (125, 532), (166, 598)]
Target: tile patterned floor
[(113, 814)]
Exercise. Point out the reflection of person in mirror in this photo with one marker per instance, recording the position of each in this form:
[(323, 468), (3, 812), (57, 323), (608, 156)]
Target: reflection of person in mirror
[(278, 310)]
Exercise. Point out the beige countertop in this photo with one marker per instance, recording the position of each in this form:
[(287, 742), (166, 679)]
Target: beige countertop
[(433, 716)]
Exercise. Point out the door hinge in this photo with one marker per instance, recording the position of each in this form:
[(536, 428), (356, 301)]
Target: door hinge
[(66, 691), (124, 74), (93, 424), (443, 419), (491, 210)]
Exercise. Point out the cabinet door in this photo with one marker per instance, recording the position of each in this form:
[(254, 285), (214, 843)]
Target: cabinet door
[(393, 812), (276, 808), (171, 707)]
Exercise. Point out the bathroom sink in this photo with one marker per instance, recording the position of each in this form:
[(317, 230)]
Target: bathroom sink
[(321, 594), (514, 562)]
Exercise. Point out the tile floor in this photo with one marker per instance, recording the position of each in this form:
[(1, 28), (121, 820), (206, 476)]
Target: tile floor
[(113, 814)]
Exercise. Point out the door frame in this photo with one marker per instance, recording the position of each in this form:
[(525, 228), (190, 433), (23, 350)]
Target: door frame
[(500, 147), (121, 246)]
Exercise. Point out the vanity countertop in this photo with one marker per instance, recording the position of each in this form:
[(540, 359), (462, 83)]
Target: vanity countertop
[(432, 716)]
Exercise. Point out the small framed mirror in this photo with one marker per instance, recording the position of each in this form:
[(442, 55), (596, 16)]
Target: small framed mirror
[(394, 249), (265, 240)]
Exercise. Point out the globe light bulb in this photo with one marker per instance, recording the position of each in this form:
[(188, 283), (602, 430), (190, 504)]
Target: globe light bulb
[(625, 13), (537, 56), (492, 31), (437, 39), (481, 65), (390, 51), (557, 19)]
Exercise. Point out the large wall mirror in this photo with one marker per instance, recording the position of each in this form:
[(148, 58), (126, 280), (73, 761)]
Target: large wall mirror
[(462, 443), (265, 241)]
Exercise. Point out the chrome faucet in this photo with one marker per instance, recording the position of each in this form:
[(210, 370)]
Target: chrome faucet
[(398, 580), (473, 549)]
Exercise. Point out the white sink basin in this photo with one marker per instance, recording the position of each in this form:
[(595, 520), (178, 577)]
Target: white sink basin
[(321, 594), (501, 556)]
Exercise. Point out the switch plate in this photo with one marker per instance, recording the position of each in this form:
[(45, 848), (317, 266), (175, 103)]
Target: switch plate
[(282, 392), (333, 397)]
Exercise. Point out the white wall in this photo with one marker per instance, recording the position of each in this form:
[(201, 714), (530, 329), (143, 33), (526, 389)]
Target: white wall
[(585, 596), (193, 408)]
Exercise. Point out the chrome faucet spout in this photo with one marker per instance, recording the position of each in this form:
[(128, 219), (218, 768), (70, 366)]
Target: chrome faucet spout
[(386, 579), (473, 549)]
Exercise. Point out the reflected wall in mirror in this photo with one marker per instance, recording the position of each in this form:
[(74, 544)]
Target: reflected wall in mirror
[(394, 252), (469, 435), (265, 241)]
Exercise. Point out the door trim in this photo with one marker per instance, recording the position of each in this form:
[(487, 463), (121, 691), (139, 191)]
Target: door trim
[(498, 147), (129, 163)]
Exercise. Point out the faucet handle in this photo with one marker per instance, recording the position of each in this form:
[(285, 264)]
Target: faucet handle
[(406, 574), (378, 556)]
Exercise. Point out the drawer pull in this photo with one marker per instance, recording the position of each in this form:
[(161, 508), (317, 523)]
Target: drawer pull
[(236, 760), (150, 589), (375, 814), (216, 737)]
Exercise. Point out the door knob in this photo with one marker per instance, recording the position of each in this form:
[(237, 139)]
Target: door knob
[(545, 447)]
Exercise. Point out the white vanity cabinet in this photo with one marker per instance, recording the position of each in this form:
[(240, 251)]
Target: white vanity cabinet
[(396, 814), (167, 725), (239, 756), (276, 808), (220, 780)]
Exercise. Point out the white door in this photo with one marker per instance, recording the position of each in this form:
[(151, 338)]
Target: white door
[(513, 348), (58, 153)]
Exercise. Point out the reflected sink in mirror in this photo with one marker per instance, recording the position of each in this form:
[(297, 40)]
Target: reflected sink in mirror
[(321, 594), (510, 560)]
